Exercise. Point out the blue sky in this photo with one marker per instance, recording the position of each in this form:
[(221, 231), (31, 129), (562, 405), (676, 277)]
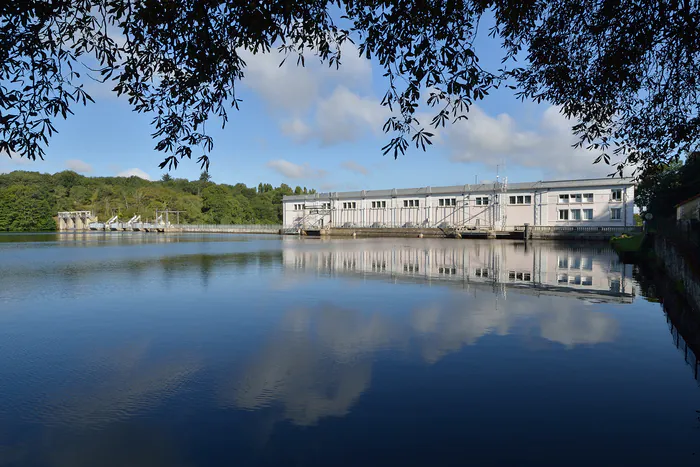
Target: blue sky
[(322, 128)]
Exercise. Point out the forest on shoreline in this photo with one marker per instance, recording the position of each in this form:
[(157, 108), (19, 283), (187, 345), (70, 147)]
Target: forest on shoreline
[(29, 201)]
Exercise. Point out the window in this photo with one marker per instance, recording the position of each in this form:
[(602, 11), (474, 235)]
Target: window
[(526, 276), (482, 200), (588, 214), (563, 262), (410, 203), (563, 214), (441, 202), (405, 203), (511, 275), (354, 205), (588, 197), (478, 201), (345, 205), (374, 204), (383, 204), (454, 201), (576, 198), (417, 203), (576, 263), (564, 199), (587, 263), (563, 278), (575, 214), (616, 194), (586, 280), (575, 280), (615, 285), (521, 199), (616, 214)]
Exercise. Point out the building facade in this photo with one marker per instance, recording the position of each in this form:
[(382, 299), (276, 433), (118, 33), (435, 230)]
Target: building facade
[(498, 206), (689, 210)]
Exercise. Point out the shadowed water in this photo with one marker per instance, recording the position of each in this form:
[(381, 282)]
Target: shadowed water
[(193, 350)]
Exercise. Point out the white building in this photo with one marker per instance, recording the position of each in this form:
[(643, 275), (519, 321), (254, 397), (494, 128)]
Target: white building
[(500, 206)]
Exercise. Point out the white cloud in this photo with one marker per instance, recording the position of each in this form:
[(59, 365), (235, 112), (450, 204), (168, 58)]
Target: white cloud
[(134, 172), (353, 166), (77, 165), (295, 171), (496, 140), (289, 87), (296, 128), (293, 88), (343, 116), (319, 102), (9, 164)]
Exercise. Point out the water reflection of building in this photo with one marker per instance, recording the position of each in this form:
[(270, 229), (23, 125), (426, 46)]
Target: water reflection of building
[(539, 267)]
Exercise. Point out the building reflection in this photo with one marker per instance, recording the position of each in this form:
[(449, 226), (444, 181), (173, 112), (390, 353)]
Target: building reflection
[(579, 271)]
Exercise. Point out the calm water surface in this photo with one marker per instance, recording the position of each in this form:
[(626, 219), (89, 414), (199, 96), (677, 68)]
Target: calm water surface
[(154, 350)]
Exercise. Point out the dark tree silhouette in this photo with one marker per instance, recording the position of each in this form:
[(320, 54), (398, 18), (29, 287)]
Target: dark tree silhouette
[(625, 71)]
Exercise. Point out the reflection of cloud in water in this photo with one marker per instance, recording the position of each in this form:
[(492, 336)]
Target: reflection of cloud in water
[(320, 362), (116, 386), (444, 329), (314, 371)]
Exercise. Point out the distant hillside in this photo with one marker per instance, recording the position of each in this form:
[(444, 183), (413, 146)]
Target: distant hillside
[(29, 200)]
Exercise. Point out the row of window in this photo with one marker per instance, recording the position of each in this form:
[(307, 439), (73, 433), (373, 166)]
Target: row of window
[(520, 276), (576, 262), (575, 280), (586, 214), (447, 202), (524, 199), (615, 195), (576, 198), (301, 207)]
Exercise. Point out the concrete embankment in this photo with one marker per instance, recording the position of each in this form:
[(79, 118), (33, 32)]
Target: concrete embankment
[(410, 233)]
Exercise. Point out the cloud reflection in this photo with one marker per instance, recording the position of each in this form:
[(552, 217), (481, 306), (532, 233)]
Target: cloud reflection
[(319, 362)]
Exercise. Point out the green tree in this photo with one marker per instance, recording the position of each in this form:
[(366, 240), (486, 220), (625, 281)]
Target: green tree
[(204, 177), (106, 196), (662, 187), (25, 208), (166, 177)]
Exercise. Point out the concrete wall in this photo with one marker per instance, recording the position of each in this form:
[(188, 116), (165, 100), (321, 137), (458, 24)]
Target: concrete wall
[(678, 270)]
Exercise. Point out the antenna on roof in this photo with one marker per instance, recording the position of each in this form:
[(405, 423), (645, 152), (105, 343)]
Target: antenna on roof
[(476, 179)]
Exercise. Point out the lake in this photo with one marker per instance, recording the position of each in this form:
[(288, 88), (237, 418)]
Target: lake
[(128, 349)]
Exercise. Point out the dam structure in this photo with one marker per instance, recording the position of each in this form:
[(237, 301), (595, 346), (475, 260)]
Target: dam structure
[(603, 205)]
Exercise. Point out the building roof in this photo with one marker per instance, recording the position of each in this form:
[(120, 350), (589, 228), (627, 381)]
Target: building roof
[(469, 188), (693, 198)]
